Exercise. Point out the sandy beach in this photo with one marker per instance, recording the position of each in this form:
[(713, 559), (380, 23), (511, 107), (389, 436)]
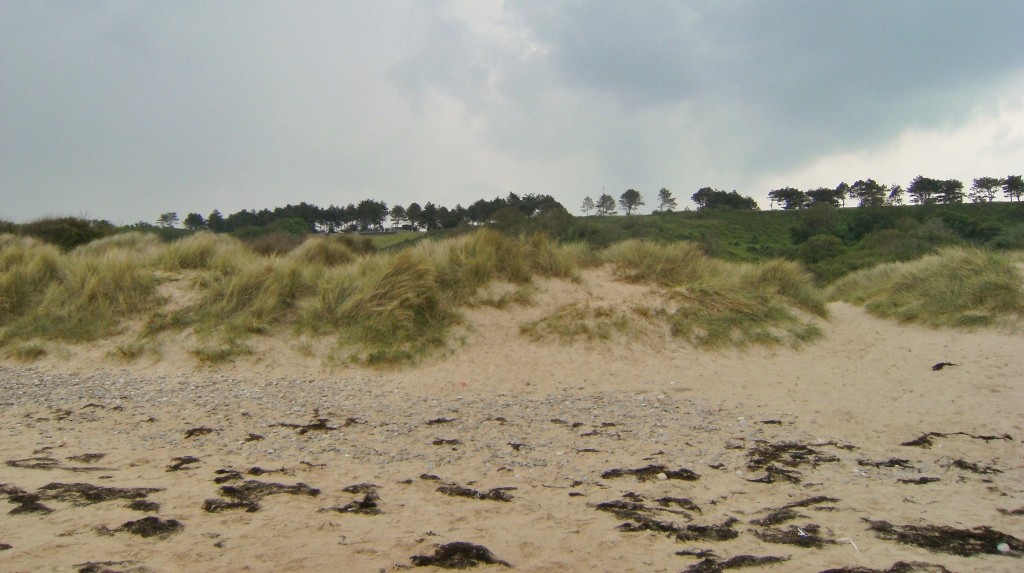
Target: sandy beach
[(632, 454)]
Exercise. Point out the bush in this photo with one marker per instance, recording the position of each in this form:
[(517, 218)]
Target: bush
[(67, 232)]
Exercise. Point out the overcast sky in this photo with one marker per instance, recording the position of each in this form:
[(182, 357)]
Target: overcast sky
[(123, 110)]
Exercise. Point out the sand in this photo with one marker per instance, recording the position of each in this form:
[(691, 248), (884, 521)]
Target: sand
[(541, 424)]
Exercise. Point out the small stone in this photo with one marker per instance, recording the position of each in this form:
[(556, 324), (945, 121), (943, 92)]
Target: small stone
[(1003, 547)]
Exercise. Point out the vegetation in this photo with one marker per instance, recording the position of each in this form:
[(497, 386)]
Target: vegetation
[(959, 287), (726, 274)]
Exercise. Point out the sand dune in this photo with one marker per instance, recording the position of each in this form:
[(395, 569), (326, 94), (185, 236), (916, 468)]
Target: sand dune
[(599, 456)]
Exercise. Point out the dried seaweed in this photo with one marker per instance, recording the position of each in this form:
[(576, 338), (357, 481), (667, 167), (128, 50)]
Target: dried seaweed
[(182, 462), (974, 467), (26, 502), (88, 494), (919, 481), (898, 567), (361, 488), (446, 442), (219, 505), (774, 473), (925, 440), (253, 490), (713, 565), (652, 472), (369, 505), (889, 463), (152, 527), (143, 505), (964, 542), (807, 536), (86, 458), (319, 424), (458, 555), (108, 567), (200, 431), (789, 454), (495, 494)]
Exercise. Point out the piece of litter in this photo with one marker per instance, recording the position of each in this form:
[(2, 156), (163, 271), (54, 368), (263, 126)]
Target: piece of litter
[(850, 541)]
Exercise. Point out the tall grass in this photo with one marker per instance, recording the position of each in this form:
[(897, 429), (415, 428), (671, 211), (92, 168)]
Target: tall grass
[(665, 264), (956, 287)]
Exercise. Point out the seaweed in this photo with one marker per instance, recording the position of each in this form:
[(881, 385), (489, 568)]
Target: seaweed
[(219, 505), (86, 458), (889, 463), (143, 505), (458, 555), (495, 494), (807, 536), (446, 442), (46, 463), (152, 527), (778, 516), (361, 488), (789, 454), (713, 565), (652, 472), (964, 542), (1018, 511), (441, 420), (107, 567), (200, 431), (898, 567), (319, 424), (919, 481), (26, 502), (941, 365), (974, 467), (721, 532), (369, 505), (253, 490), (88, 494), (682, 502), (925, 440), (182, 462), (253, 437), (774, 473)]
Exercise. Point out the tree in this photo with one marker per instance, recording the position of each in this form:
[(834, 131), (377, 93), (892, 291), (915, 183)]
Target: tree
[(215, 222), (789, 198), (869, 192), (895, 196), (398, 215), (666, 202), (708, 198), (951, 191), (413, 212), (922, 190), (588, 206), (1013, 187), (195, 222), (167, 220), (984, 189), (826, 196), (605, 205), (630, 200)]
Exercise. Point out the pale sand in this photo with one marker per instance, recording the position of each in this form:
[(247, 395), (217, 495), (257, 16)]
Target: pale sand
[(545, 418)]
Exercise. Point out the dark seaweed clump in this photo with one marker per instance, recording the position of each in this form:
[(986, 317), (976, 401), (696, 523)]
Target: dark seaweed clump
[(247, 495), (369, 505), (87, 494), (651, 472), (494, 494), (964, 542), (152, 527), (925, 440), (458, 555), (26, 502), (713, 565), (807, 536), (898, 567)]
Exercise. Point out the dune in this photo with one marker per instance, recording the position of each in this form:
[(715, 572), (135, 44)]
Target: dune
[(633, 453)]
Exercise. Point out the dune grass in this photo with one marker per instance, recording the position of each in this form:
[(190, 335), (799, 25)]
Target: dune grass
[(956, 287), (398, 306)]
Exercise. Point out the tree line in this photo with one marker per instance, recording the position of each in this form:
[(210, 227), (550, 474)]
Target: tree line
[(921, 191), (366, 216), (867, 192)]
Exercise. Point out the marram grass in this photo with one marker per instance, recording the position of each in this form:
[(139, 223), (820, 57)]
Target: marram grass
[(956, 287)]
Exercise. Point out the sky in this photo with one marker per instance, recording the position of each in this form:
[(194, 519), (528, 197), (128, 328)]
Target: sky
[(123, 110)]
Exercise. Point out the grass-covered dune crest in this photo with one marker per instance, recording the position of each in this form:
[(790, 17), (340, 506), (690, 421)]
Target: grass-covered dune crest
[(401, 305), (955, 287)]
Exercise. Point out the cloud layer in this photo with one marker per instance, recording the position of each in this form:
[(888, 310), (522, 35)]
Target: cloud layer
[(126, 110)]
